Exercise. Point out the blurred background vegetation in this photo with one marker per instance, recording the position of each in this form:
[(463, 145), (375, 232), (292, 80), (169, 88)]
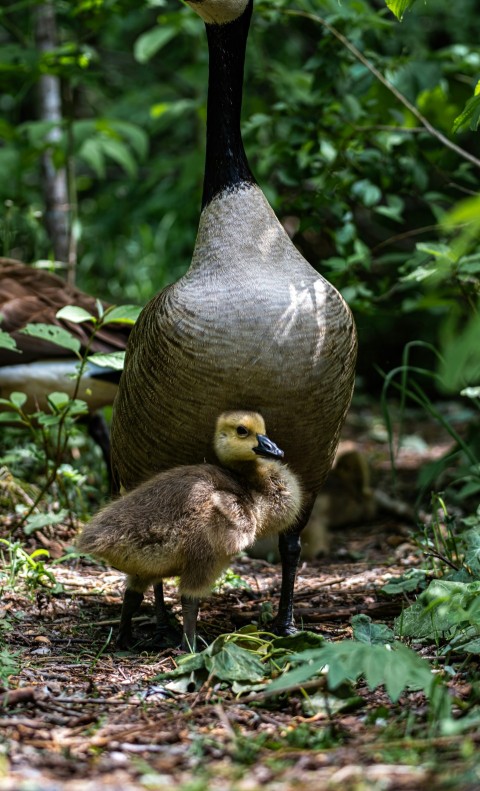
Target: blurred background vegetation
[(359, 180)]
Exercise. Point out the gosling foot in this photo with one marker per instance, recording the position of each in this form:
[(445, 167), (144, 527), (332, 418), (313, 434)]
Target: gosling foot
[(125, 639)]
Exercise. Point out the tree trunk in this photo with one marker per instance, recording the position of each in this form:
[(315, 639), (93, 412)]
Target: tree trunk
[(55, 182)]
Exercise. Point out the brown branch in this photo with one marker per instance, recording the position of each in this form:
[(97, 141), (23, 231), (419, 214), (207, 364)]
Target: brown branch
[(309, 615), (388, 85), (14, 696)]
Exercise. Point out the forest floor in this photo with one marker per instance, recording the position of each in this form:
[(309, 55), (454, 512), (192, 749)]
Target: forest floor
[(80, 715)]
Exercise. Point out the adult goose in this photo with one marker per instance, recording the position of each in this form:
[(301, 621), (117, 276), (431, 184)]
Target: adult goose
[(251, 325), (30, 295)]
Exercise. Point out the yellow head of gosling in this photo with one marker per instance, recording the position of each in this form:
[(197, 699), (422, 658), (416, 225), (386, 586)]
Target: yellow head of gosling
[(240, 438)]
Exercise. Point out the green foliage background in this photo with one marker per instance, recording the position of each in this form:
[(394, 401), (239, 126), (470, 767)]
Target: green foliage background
[(361, 184)]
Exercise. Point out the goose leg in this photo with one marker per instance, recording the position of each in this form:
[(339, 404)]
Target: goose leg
[(132, 600), (189, 615), (289, 544)]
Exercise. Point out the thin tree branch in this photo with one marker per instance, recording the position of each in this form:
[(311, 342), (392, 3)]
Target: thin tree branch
[(379, 76)]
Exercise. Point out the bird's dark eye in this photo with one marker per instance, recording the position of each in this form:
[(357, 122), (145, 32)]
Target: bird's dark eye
[(242, 431)]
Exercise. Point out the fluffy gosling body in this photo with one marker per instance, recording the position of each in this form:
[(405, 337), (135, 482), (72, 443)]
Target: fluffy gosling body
[(189, 521)]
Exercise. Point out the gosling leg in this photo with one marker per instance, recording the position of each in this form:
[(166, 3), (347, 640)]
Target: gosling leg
[(132, 600), (189, 615), (289, 544), (168, 632)]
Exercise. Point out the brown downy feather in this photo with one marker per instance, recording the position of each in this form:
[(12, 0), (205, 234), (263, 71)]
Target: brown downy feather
[(187, 522), (345, 499)]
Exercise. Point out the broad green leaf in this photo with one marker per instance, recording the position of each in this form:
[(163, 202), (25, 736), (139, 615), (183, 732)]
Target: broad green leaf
[(136, 137), (37, 521), (120, 153), (74, 314), (122, 314), (437, 250), (57, 335), (396, 674), (460, 364), (7, 342), (234, 663), (465, 211), (91, 152), (407, 583), (297, 676), (398, 7), (301, 641), (366, 631), (151, 42), (18, 399), (397, 667), (113, 360), (441, 611), (58, 400), (369, 194), (471, 544), (11, 417), (375, 667), (471, 647), (470, 115)]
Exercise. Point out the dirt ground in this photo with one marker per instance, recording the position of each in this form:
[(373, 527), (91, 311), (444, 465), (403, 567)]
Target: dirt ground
[(83, 716)]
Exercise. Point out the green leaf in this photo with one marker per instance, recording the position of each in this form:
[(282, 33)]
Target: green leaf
[(148, 44), (465, 211), (301, 641), (58, 400), (18, 399), (122, 314), (11, 417), (396, 667), (375, 670), (365, 631), (37, 521), (398, 7), (407, 583), (368, 193), (442, 610), (57, 335), (119, 152), (296, 677), (114, 360), (91, 152), (74, 314), (7, 342), (470, 115), (234, 663)]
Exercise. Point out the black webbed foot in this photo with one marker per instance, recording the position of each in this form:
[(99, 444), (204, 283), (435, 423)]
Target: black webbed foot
[(281, 628)]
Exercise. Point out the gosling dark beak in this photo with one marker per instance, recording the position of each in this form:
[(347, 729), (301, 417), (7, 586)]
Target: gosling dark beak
[(267, 448)]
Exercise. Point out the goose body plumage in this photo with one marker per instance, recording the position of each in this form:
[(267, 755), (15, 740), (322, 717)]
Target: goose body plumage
[(251, 323), (237, 328)]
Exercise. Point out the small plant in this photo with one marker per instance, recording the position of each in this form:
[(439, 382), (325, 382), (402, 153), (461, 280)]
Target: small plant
[(30, 568), (230, 580), (51, 429)]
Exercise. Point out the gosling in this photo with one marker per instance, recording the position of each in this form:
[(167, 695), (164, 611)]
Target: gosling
[(189, 521)]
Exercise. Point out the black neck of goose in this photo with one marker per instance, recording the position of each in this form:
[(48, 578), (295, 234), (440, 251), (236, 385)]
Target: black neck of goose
[(226, 165)]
